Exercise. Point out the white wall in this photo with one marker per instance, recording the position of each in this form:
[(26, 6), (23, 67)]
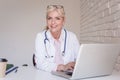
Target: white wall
[(21, 20)]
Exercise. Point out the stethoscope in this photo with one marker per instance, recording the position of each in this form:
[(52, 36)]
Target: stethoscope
[(46, 39)]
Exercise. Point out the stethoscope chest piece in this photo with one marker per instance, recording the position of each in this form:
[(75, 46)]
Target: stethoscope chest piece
[(63, 53), (49, 56)]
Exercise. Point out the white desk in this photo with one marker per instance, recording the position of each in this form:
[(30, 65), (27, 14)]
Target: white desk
[(30, 73)]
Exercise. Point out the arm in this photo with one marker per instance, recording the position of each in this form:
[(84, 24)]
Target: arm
[(72, 50), (41, 61)]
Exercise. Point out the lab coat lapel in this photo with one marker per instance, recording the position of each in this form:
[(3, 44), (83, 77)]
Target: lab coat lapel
[(62, 39), (50, 48)]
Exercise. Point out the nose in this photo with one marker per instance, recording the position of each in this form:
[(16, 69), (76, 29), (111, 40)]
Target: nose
[(53, 21)]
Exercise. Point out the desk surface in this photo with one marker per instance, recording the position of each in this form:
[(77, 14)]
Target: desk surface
[(30, 73)]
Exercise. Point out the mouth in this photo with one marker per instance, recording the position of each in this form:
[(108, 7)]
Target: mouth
[(53, 26)]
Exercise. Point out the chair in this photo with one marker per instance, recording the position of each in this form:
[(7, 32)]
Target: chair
[(34, 64)]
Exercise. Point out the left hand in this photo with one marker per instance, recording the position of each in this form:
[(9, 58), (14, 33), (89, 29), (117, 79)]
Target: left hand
[(70, 66)]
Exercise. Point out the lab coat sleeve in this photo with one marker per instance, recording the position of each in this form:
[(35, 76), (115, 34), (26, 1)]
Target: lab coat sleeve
[(41, 61)]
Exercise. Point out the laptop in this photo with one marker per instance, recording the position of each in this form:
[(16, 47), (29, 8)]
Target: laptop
[(94, 60)]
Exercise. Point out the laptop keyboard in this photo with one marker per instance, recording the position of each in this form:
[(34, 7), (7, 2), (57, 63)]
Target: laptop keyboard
[(69, 72)]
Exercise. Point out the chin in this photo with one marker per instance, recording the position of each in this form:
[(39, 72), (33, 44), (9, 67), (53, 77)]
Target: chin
[(53, 30)]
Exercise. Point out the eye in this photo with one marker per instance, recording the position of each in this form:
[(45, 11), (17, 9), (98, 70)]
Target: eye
[(58, 18), (49, 18)]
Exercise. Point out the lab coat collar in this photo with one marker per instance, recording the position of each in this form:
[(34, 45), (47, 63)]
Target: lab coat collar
[(61, 39), (50, 37)]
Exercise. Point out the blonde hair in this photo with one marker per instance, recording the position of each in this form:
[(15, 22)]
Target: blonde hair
[(58, 8)]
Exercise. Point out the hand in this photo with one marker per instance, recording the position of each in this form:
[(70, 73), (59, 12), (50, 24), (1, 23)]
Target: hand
[(70, 66), (61, 67)]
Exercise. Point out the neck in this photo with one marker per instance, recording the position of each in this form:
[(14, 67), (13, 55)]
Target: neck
[(56, 35)]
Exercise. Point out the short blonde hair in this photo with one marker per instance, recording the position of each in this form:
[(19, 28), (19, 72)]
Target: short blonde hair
[(58, 8)]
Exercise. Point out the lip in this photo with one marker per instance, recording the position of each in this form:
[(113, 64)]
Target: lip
[(53, 26)]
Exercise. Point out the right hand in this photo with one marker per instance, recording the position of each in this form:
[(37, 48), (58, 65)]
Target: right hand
[(61, 67)]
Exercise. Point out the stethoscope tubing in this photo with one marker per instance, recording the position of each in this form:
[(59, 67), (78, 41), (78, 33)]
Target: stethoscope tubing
[(46, 39)]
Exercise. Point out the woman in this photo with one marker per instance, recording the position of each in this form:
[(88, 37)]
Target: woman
[(56, 48)]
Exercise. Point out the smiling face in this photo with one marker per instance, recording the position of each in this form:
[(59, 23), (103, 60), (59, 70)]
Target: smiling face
[(55, 21)]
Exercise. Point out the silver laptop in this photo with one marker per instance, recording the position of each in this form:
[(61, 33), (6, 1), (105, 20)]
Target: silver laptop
[(94, 60)]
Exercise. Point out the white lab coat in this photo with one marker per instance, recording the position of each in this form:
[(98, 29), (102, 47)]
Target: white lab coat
[(47, 64)]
